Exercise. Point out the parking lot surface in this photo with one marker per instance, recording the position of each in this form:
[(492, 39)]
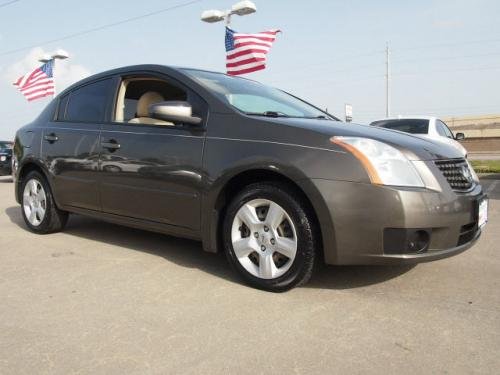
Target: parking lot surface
[(104, 299)]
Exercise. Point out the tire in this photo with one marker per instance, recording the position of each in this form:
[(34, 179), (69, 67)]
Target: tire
[(266, 242), (38, 207)]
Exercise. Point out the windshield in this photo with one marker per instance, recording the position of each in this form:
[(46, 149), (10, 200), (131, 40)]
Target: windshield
[(5, 145), (254, 98), (413, 126)]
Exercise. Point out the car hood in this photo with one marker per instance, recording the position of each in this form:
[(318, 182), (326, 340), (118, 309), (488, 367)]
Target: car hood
[(415, 148), (447, 141)]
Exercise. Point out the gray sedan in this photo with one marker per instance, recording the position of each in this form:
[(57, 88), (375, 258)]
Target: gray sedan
[(276, 183)]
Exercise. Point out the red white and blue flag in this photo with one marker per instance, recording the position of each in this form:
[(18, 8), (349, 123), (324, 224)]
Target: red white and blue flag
[(39, 83), (246, 53)]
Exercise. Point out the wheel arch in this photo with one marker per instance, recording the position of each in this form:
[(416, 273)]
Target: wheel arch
[(23, 170), (212, 235)]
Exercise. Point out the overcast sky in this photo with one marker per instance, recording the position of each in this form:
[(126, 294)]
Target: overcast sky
[(445, 54)]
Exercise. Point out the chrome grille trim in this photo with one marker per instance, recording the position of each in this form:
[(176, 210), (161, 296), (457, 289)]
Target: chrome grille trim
[(457, 173)]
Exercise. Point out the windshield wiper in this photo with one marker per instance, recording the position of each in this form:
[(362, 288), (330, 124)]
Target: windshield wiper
[(267, 114), (319, 117)]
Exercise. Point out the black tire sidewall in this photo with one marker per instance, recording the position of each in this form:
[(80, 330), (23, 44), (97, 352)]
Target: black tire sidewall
[(291, 203)]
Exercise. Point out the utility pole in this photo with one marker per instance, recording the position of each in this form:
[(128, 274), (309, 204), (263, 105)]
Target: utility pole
[(387, 87)]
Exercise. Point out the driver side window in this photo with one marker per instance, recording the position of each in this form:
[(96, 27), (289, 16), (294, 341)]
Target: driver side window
[(136, 95)]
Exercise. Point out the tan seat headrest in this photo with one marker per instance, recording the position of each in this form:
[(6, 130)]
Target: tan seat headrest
[(146, 99)]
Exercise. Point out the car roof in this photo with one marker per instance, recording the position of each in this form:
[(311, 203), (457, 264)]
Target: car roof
[(406, 117), (176, 71)]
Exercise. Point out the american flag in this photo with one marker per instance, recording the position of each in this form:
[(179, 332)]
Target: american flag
[(246, 53), (38, 83)]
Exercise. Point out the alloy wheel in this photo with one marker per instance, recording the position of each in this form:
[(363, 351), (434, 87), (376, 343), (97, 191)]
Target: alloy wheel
[(264, 238), (34, 202)]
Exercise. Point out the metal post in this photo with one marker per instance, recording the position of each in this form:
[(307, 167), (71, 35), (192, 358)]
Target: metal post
[(387, 87), (54, 75)]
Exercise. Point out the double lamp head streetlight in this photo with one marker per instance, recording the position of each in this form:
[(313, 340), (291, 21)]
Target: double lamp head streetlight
[(60, 54), (241, 8)]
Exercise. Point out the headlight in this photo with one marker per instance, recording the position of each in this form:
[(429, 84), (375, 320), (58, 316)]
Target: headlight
[(3, 158), (384, 164), (472, 172)]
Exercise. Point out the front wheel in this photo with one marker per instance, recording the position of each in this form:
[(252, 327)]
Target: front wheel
[(39, 210), (269, 237)]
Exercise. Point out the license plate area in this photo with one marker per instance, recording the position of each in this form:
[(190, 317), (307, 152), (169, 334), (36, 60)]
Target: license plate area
[(482, 212)]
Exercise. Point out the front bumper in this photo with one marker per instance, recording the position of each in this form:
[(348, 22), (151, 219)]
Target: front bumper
[(361, 213)]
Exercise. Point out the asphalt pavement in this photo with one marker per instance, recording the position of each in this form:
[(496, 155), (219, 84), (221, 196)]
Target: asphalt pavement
[(104, 299)]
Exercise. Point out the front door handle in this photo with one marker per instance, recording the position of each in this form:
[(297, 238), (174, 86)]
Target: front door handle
[(111, 145), (51, 138)]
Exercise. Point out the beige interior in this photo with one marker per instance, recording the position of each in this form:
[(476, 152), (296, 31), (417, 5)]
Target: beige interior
[(142, 112), (143, 104)]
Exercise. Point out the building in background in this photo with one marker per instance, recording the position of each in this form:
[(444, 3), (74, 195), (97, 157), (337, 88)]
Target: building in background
[(482, 133), (475, 126)]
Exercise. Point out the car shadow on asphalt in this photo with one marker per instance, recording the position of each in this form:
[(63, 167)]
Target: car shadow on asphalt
[(350, 277), (189, 254)]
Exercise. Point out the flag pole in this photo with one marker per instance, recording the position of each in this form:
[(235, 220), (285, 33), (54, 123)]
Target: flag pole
[(60, 54)]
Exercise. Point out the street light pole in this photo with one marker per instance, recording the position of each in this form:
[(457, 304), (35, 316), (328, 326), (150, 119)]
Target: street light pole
[(387, 86), (241, 8), (58, 55)]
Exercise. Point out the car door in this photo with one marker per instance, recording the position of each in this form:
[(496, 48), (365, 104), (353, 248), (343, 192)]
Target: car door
[(70, 144), (152, 172)]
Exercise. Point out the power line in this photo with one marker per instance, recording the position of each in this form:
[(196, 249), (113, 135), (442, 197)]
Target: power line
[(9, 3), (330, 71), (474, 69), (425, 59), (341, 83), (99, 28), (341, 58), (438, 45)]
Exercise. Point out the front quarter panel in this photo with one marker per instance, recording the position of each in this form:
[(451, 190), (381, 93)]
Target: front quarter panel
[(288, 151), (235, 142)]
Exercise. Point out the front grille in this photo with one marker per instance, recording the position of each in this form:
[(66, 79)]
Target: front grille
[(457, 173)]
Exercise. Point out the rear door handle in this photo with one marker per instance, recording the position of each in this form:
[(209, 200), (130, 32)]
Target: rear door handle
[(51, 138), (111, 145)]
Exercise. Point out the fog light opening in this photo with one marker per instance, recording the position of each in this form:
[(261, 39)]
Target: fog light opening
[(406, 240), (418, 241)]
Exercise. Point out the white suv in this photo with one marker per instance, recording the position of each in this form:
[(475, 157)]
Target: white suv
[(424, 127)]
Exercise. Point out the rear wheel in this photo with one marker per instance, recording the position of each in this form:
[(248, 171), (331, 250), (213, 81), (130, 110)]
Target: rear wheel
[(269, 238), (38, 208)]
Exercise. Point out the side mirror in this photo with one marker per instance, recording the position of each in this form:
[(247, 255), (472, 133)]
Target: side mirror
[(459, 136), (174, 111)]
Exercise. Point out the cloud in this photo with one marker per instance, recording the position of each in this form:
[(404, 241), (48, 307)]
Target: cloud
[(66, 72)]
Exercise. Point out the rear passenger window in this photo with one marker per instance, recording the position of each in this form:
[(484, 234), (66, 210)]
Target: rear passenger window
[(88, 103)]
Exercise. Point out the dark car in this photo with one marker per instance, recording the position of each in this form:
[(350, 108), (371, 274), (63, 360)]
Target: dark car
[(5, 158), (273, 181)]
